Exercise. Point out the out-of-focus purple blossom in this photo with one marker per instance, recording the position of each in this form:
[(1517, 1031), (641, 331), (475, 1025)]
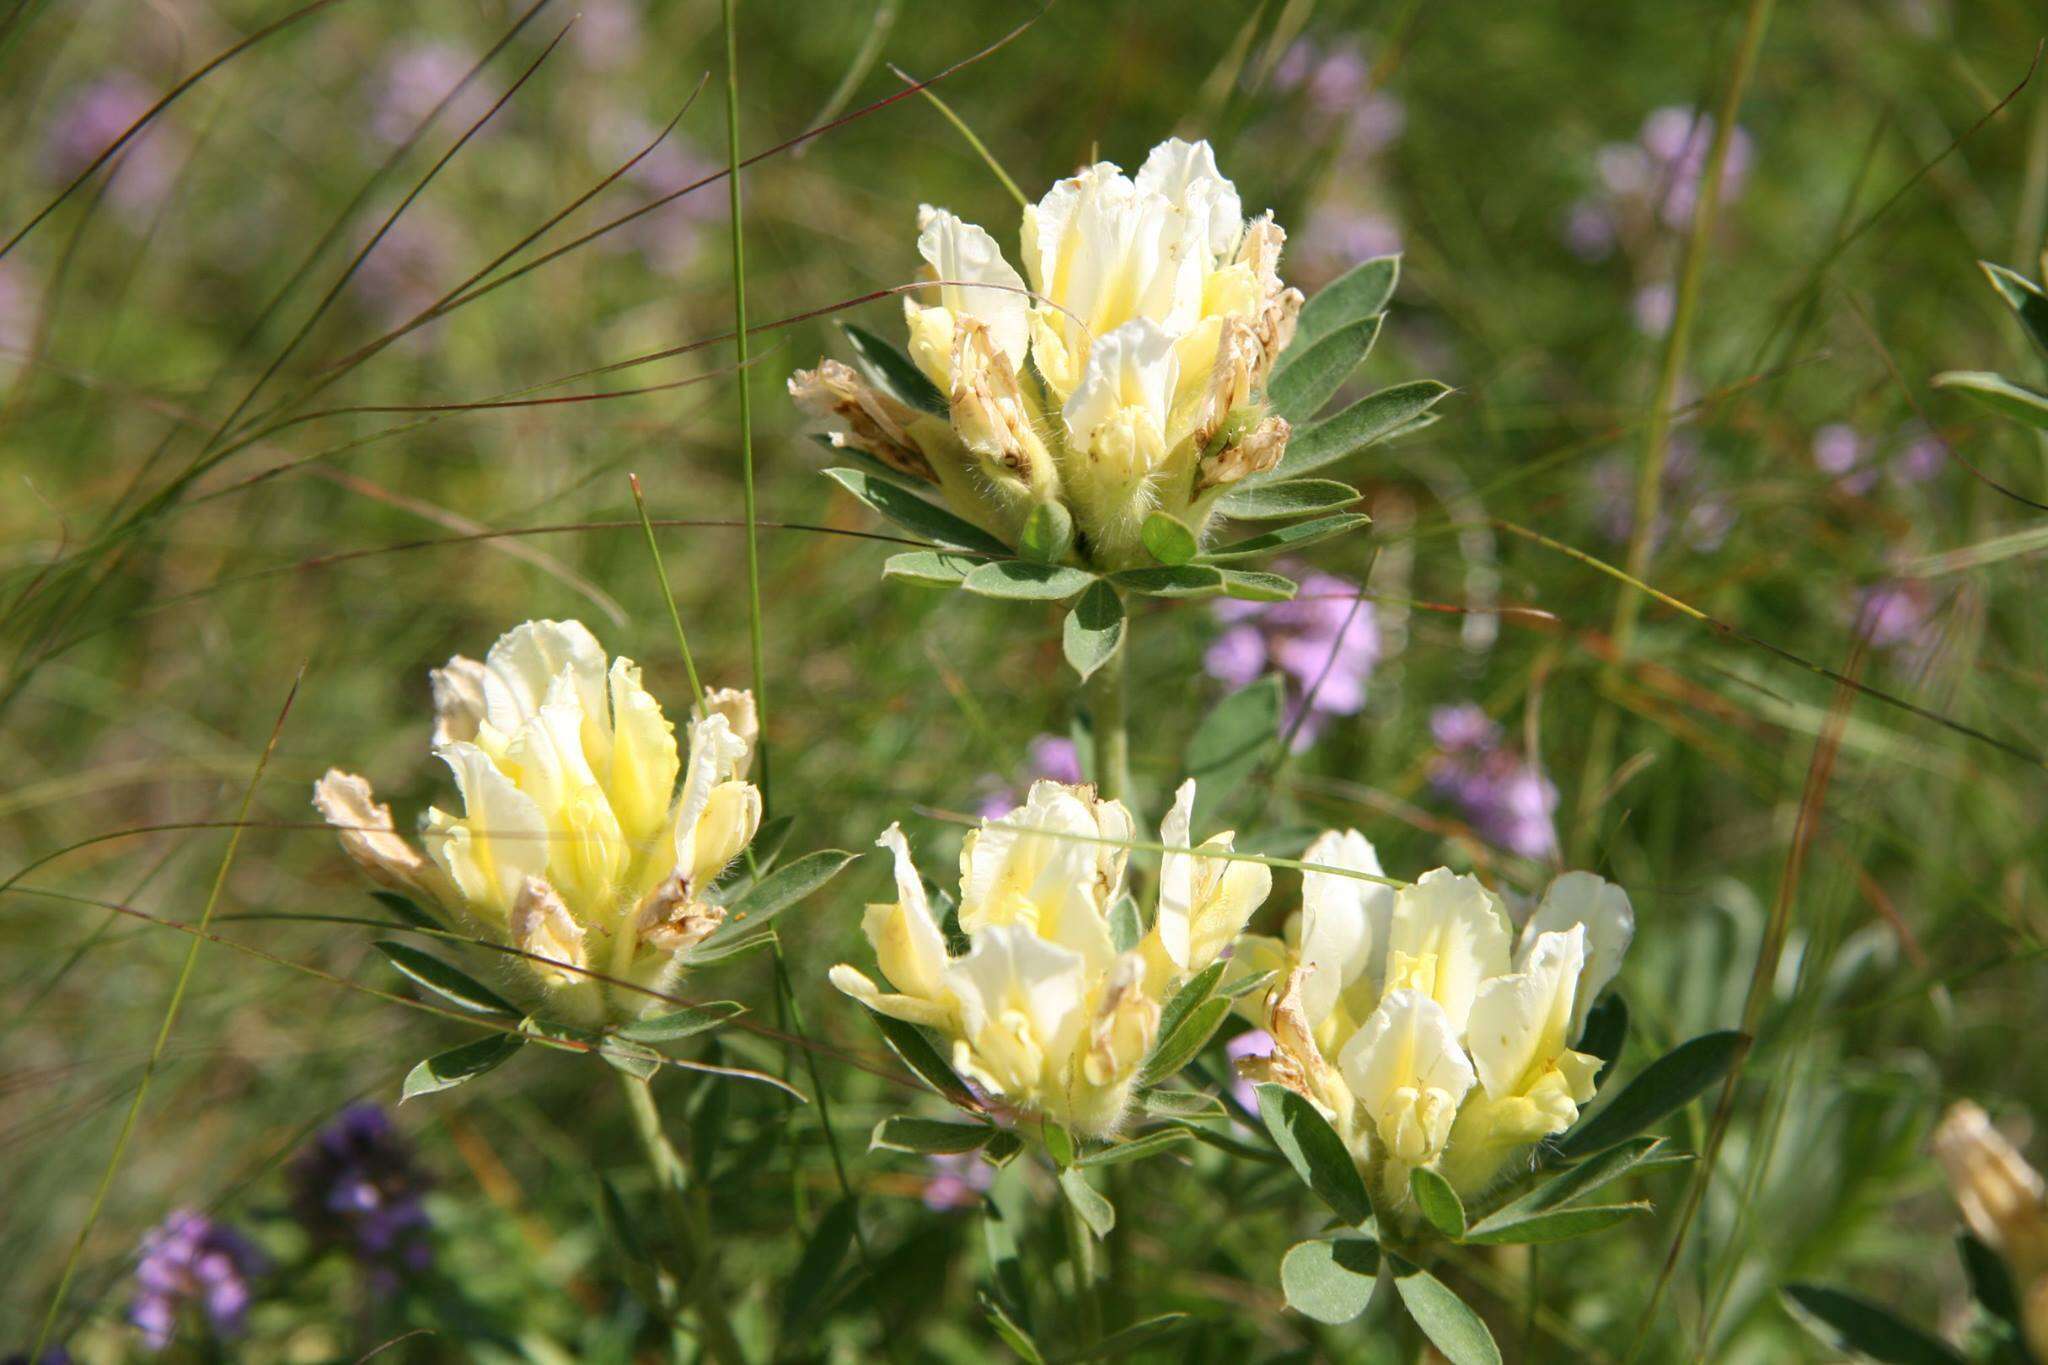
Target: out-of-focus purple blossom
[(957, 1182), (1652, 308), (1255, 1042), (1840, 450), (607, 33), (1704, 514), (411, 266), (92, 119), (189, 1261), (1589, 230), (1337, 238), (1511, 802), (17, 309), (1324, 642), (1677, 141), (1336, 84), (415, 79), (1895, 615), (1053, 758), (358, 1190), (668, 236), (1918, 457)]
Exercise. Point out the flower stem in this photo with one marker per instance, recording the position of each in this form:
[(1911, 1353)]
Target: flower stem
[(689, 1228), (1107, 694), (1081, 1260)]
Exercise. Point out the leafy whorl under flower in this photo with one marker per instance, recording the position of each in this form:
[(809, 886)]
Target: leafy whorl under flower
[(1421, 1027), (1042, 1010), (1127, 376), (574, 844)]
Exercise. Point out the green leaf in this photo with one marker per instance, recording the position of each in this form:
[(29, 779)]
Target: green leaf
[(1449, 1323), (1605, 1033), (914, 514), (1002, 1148), (1177, 1049), (1179, 580), (1244, 986), (1990, 1279), (1024, 579), (635, 1059), (1249, 585), (1126, 925), (930, 568), (1330, 1279), (824, 1255), (1359, 293), (1094, 629), (1059, 1144), (890, 369), (929, 1137), (682, 1023), (778, 891), (1306, 379), (1137, 1149), (2025, 299), (1438, 1201), (1609, 1166), (1315, 1151), (1182, 1104), (1848, 1322), (407, 910), (1286, 499), (1119, 1345), (908, 1042), (445, 981), (2001, 395), (1236, 736), (1189, 998), (1047, 534), (444, 1070), (1015, 1337), (1667, 1084), (1095, 1211), (1288, 537), (1168, 538), (1374, 418), (1556, 1225)]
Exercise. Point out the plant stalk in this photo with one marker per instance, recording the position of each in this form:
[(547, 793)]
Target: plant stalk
[(690, 1262), (1108, 694)]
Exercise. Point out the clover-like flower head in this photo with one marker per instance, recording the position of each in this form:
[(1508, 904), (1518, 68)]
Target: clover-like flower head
[(1042, 1009), (574, 844), (1422, 1027), (1126, 376)]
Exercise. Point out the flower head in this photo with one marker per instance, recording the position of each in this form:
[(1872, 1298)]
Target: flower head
[(190, 1261), (1121, 371), (575, 844), (1043, 1010), (358, 1190), (2002, 1200), (1422, 1027)]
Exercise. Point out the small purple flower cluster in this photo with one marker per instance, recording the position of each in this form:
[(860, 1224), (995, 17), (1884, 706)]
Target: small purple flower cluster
[(1702, 513), (191, 1261), (1325, 643), (358, 1190), (1050, 758), (1510, 801), (1856, 462), (1335, 83), (91, 120), (957, 1182)]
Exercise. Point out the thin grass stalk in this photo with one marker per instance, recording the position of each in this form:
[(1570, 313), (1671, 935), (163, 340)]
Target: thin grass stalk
[(163, 1033), (1656, 434)]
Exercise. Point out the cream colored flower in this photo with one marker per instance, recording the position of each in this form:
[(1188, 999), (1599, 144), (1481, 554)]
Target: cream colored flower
[(1420, 1028), (573, 844), (1127, 375), (2001, 1197), (1042, 1010)]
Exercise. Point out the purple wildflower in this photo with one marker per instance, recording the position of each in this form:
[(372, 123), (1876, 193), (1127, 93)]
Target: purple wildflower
[(1337, 238), (1896, 614), (186, 1261), (415, 80), (1326, 641), (1510, 801), (92, 120), (1589, 230), (357, 1189), (608, 33), (410, 267), (1336, 83), (1841, 451), (1918, 457), (1652, 308), (957, 1182), (1254, 1042), (1677, 141), (1704, 515), (1052, 758), (666, 237)]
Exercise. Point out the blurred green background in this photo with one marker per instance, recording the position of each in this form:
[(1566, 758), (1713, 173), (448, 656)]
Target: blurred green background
[(1510, 153)]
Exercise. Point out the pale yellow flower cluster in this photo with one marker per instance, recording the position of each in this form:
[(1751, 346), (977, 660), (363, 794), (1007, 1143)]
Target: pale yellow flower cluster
[(2002, 1198), (1127, 376), (1042, 1010), (1422, 1026), (574, 845)]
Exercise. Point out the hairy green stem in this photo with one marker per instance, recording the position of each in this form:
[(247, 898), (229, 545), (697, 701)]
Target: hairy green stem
[(1108, 699), (689, 1228), (1081, 1260), (1657, 430)]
